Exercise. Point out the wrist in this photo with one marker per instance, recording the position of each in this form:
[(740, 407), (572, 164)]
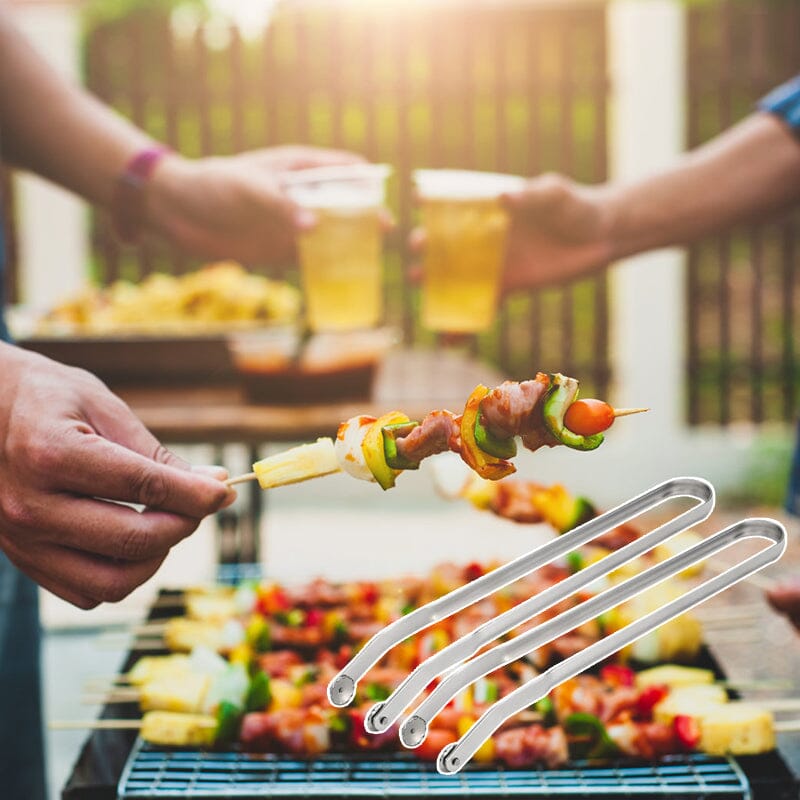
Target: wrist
[(164, 194), (130, 197)]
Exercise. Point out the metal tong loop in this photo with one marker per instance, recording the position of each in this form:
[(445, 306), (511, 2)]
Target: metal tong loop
[(342, 688), (454, 756), (383, 715)]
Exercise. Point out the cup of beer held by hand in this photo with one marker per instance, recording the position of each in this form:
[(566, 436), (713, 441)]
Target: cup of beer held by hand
[(465, 229), (341, 256)]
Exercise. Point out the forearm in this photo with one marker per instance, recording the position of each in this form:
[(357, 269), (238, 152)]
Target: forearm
[(743, 175), (55, 129)]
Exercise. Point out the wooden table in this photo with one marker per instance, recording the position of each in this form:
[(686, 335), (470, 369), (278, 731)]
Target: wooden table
[(414, 381)]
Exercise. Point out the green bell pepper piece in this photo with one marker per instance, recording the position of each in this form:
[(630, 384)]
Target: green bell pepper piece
[(600, 744), (391, 433), (562, 393), (376, 692), (229, 719), (546, 708), (575, 561), (258, 693), (491, 444)]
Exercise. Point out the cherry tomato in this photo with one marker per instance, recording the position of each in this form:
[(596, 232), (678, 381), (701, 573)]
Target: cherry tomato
[(587, 417), (436, 739), (687, 730)]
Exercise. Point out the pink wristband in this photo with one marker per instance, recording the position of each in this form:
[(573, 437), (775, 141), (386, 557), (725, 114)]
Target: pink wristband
[(128, 207)]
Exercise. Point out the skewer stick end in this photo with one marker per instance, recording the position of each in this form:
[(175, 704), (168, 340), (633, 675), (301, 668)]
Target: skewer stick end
[(626, 412), (250, 476)]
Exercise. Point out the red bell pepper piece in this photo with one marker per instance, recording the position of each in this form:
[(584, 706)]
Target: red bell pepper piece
[(617, 675), (687, 731)]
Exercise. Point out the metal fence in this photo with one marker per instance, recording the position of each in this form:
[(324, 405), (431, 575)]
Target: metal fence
[(518, 88), (743, 361)]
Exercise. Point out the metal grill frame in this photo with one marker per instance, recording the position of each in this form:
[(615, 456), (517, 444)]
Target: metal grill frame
[(172, 773)]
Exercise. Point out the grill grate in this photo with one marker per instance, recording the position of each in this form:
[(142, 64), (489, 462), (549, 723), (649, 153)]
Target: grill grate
[(157, 773)]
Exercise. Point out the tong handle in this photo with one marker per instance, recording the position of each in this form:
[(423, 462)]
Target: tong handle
[(453, 757), (341, 689)]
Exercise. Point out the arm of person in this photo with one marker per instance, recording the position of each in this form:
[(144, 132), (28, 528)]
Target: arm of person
[(213, 207), (562, 229)]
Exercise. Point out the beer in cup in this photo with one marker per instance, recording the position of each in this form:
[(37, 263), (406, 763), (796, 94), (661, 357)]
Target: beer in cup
[(341, 264), (465, 227)]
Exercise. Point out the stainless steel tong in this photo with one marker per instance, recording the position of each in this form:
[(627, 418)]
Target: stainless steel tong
[(453, 757), (342, 688)]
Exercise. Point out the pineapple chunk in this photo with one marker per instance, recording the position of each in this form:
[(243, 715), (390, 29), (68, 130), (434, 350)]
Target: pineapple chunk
[(183, 635), (169, 729), (740, 729), (673, 675), (150, 668), (688, 700), (185, 693), (215, 608), (297, 464)]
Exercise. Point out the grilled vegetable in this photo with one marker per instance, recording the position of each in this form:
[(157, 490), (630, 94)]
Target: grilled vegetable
[(373, 449), (562, 393), (491, 444), (390, 435), (485, 464)]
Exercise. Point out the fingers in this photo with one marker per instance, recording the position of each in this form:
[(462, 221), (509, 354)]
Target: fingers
[(89, 465), (543, 194), (97, 526), (85, 580), (294, 157), (113, 420), (785, 597)]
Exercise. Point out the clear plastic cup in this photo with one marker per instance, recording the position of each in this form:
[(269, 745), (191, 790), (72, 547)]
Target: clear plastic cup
[(465, 227), (341, 257)]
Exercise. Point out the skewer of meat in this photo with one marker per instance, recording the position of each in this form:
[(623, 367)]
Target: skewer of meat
[(539, 412)]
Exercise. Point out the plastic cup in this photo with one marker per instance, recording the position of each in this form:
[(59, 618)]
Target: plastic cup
[(341, 264), (465, 227)]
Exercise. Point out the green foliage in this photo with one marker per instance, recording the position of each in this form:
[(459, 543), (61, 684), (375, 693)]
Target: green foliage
[(767, 476), (100, 12)]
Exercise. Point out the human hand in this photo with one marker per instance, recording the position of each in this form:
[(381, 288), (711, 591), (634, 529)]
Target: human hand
[(559, 230), (68, 447), (234, 206), (785, 598)]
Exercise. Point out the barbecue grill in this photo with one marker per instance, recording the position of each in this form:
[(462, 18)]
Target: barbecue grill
[(116, 765)]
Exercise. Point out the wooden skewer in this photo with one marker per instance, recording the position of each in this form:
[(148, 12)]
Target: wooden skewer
[(250, 476), (95, 724), (757, 685), (787, 726), (777, 704), (626, 412), (148, 628), (110, 697)]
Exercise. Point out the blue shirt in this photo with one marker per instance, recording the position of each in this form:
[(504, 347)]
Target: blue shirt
[(784, 102)]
